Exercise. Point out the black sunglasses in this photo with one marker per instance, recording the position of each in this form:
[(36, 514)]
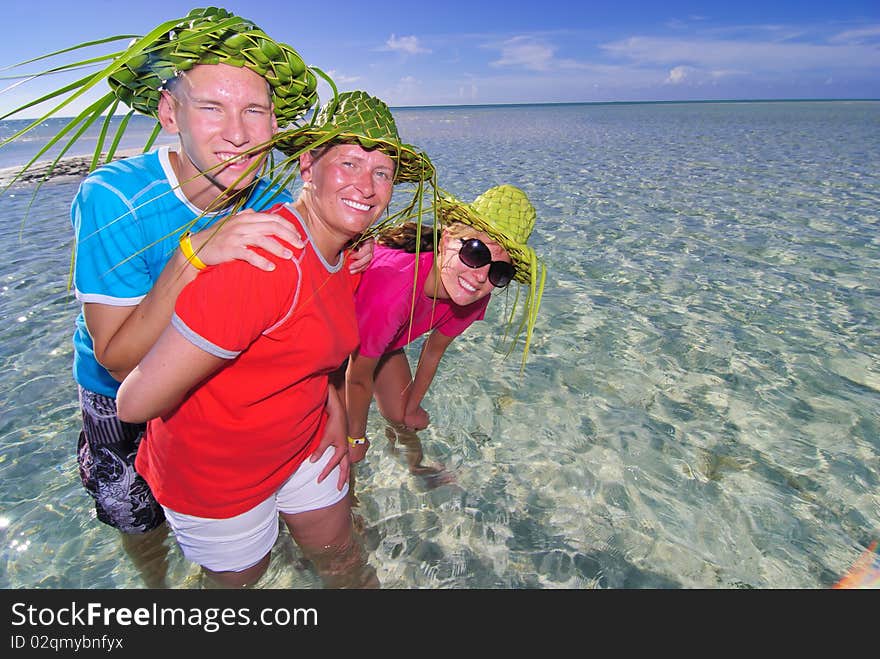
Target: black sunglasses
[(475, 254)]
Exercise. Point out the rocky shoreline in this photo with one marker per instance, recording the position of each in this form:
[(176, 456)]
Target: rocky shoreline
[(69, 166)]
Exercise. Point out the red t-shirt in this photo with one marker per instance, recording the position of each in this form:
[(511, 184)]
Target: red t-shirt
[(241, 433)]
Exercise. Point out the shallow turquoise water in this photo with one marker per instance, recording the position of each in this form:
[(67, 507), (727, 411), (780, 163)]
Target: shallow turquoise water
[(699, 409)]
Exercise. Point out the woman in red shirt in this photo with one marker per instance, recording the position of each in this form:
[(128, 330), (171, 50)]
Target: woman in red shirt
[(236, 390)]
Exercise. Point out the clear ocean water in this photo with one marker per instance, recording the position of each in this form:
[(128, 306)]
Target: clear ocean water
[(701, 405)]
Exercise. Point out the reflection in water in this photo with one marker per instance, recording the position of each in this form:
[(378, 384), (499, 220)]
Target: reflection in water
[(406, 443)]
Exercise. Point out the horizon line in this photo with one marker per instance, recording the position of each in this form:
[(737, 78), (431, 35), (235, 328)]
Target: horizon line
[(653, 102), (534, 103)]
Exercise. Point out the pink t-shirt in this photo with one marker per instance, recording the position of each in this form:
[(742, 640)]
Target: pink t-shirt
[(384, 303)]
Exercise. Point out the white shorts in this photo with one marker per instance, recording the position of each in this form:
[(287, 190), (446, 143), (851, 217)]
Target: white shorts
[(237, 543)]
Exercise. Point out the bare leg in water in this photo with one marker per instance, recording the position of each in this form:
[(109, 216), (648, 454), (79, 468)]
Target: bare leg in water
[(149, 553), (328, 540), (242, 579)]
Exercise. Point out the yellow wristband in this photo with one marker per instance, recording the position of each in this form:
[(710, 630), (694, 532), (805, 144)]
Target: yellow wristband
[(355, 442), (187, 248)]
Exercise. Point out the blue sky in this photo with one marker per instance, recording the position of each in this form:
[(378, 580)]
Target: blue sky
[(486, 51)]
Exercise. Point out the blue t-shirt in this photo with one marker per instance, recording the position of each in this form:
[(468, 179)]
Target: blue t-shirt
[(127, 219)]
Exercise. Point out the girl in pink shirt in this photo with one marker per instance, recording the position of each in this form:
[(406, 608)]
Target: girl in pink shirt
[(411, 289)]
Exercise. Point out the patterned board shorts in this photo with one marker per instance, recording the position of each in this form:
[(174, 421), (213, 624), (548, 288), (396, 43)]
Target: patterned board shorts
[(106, 451)]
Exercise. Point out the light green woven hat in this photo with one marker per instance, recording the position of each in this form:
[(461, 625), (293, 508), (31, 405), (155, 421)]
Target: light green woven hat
[(215, 36), (506, 214), (357, 118), (508, 217)]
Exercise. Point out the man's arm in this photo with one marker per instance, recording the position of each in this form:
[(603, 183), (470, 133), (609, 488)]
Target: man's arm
[(122, 335)]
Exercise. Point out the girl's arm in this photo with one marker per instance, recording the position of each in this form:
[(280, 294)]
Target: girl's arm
[(432, 351), (358, 396), (171, 368)]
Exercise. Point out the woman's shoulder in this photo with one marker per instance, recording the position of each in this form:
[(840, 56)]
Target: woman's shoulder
[(390, 273), (391, 257)]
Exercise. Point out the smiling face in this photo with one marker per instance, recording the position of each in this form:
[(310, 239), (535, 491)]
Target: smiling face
[(220, 112), (347, 188), (462, 284)]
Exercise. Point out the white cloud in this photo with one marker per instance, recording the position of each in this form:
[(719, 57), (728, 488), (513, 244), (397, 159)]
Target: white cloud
[(405, 91), (469, 92), (753, 56), (527, 53), (408, 45), (688, 75), (677, 75), (341, 78), (735, 62), (870, 33), (532, 54)]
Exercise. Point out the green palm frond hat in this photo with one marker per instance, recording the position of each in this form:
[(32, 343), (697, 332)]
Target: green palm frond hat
[(215, 36), (357, 118), (138, 74), (508, 217), (506, 214)]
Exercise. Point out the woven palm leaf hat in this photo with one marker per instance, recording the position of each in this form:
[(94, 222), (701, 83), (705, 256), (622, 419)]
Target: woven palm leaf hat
[(215, 36), (138, 74), (508, 217), (355, 117)]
